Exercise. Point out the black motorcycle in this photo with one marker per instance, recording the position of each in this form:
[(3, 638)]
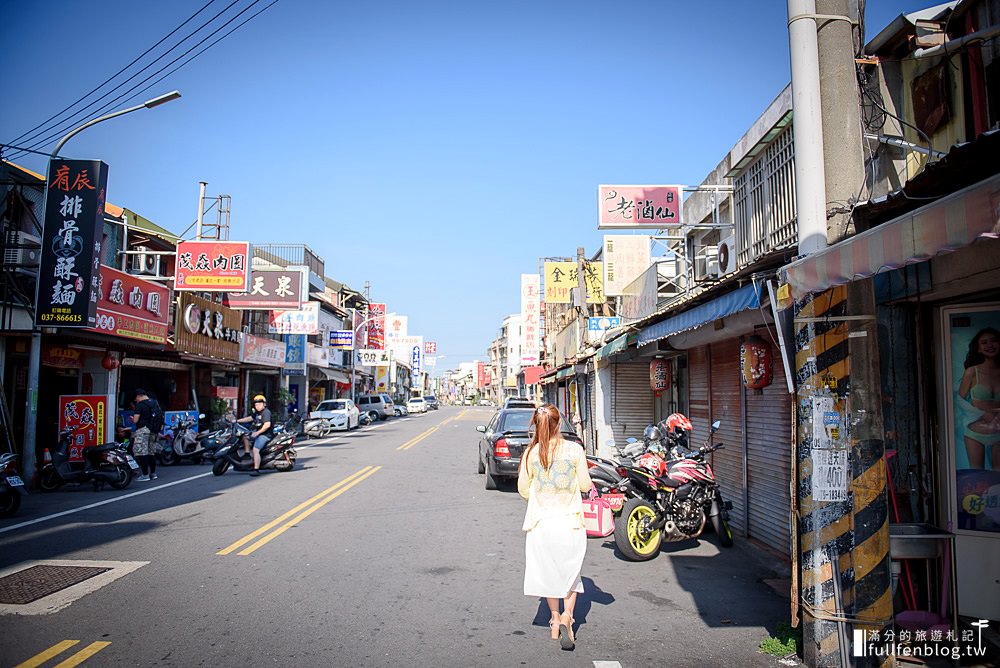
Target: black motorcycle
[(109, 463), (11, 485), (186, 443), (677, 497), (278, 454)]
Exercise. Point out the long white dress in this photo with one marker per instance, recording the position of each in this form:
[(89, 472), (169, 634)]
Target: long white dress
[(556, 541)]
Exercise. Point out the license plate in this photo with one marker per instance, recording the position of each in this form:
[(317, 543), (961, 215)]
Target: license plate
[(15, 481), (131, 462)]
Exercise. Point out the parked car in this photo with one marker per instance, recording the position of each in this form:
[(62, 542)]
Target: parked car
[(380, 403), (432, 402), (518, 402), (342, 413), (504, 439), (416, 405), (399, 410), (485, 402)]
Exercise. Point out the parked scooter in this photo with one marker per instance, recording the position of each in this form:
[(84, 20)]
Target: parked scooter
[(278, 454), (185, 444), (11, 485), (109, 463)]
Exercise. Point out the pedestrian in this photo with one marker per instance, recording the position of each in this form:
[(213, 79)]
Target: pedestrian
[(552, 475), (148, 420)]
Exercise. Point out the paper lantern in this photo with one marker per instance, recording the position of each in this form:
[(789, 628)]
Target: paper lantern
[(756, 363), (659, 375), (110, 361)]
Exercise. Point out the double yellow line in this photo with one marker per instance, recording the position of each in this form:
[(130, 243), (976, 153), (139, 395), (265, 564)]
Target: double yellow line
[(413, 441), (307, 508), (60, 647)]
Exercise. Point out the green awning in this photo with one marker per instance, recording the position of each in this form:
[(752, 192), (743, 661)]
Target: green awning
[(565, 373), (609, 349)]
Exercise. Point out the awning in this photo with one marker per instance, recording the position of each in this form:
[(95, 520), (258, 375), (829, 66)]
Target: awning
[(738, 300), (565, 373), (615, 346), (940, 227), (322, 373)]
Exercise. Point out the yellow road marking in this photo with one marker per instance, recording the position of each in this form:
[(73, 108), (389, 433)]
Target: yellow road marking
[(249, 537), (413, 441), (84, 654), (42, 657), (295, 520)]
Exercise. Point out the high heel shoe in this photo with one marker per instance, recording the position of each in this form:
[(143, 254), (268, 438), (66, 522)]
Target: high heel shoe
[(567, 640)]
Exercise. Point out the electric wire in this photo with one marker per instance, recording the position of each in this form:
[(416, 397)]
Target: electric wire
[(111, 78), (130, 93)]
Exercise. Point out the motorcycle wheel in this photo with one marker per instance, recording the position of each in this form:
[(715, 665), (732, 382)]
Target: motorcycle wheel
[(49, 480), (633, 536), (721, 526), (124, 477), (10, 501), (167, 456), (220, 466)]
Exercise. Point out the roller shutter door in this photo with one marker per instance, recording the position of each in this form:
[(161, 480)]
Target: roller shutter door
[(591, 414), (631, 399), (727, 406), (769, 465)]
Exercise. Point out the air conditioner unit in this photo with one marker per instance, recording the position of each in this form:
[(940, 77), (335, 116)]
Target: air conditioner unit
[(144, 262), (706, 263), (22, 258), (727, 255)]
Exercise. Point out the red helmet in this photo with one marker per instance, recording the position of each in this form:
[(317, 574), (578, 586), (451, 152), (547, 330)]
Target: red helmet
[(652, 463), (677, 421)]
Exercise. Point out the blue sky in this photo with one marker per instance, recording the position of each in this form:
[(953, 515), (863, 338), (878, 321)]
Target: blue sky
[(435, 149)]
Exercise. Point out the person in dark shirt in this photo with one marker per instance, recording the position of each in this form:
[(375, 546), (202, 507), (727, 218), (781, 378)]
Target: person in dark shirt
[(261, 434), (144, 442)]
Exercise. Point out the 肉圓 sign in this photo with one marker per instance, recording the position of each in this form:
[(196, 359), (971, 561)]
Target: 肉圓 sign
[(71, 243), (639, 207), (131, 307), (212, 266), (271, 288)]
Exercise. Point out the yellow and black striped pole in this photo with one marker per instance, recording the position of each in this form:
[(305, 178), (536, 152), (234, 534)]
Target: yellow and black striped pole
[(841, 500)]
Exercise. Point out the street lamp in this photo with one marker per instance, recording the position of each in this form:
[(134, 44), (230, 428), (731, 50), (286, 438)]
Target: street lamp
[(34, 358)]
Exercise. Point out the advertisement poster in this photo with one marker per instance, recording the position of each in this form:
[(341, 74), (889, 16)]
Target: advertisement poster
[(382, 379), (972, 347), (213, 266), (84, 415)]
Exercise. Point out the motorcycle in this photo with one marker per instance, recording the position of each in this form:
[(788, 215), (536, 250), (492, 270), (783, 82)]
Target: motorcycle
[(185, 443), (677, 496), (108, 463), (278, 454), (11, 485), (366, 418)]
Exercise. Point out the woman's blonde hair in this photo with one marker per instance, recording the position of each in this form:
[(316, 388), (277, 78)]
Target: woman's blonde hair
[(546, 423)]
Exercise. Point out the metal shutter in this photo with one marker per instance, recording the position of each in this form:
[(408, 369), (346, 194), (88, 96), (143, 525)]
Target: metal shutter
[(591, 427), (631, 399), (769, 464), (726, 403)]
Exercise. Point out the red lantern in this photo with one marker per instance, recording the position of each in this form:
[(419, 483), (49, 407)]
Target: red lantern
[(756, 363), (659, 375), (110, 362)]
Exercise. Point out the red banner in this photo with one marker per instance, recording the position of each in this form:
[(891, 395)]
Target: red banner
[(131, 307), (85, 416), (213, 266), (480, 375), (376, 328)]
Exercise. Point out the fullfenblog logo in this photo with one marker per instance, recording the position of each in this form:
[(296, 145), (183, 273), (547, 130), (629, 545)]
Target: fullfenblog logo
[(948, 644)]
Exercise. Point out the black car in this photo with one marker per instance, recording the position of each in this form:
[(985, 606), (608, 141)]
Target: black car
[(432, 402), (504, 439)]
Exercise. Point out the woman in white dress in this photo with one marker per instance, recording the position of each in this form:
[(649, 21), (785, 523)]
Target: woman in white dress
[(552, 475)]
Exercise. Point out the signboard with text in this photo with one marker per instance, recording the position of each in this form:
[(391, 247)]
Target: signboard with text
[(263, 351), (213, 266), (530, 308), (299, 321), (430, 347), (131, 307), (376, 326), (71, 243), (207, 329), (639, 207), (84, 415), (272, 288), (561, 277), (625, 258), (295, 355), (341, 339), (371, 357)]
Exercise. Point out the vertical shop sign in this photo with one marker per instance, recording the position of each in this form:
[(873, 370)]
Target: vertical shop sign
[(376, 326), (416, 356), (295, 355), (381, 379), (82, 415), (71, 243), (530, 296), (625, 258)]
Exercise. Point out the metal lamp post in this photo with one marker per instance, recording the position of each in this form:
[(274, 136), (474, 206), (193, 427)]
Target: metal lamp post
[(34, 358)]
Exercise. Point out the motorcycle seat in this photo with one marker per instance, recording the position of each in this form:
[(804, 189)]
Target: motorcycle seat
[(96, 449)]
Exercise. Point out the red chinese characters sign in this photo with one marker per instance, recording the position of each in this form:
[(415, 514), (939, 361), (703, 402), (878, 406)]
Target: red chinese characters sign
[(376, 326), (639, 207), (84, 416), (213, 266), (430, 347), (131, 307)]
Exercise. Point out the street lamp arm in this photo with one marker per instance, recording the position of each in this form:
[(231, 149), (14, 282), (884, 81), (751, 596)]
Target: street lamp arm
[(148, 104)]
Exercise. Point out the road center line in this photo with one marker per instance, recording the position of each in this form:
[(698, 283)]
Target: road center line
[(413, 441), (84, 654), (278, 520), (44, 656)]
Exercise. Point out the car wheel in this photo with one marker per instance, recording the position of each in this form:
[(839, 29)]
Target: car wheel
[(491, 482), (481, 467)]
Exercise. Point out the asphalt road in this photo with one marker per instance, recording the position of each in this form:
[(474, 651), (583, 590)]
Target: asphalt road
[(381, 548)]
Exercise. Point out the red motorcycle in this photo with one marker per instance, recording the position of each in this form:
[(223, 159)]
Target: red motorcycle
[(677, 495)]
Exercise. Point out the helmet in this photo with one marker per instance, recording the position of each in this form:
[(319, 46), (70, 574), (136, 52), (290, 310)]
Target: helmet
[(259, 397), (652, 463), (677, 422), (652, 433)]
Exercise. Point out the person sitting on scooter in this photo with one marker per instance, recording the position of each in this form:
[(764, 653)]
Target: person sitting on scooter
[(261, 418)]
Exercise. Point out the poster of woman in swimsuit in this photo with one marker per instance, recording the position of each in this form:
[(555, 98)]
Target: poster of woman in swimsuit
[(973, 344)]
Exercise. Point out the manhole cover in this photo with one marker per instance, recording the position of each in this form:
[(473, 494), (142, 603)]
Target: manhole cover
[(38, 582)]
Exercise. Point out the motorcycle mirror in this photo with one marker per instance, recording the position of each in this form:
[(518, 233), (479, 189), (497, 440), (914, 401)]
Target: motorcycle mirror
[(631, 439), (716, 425)]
